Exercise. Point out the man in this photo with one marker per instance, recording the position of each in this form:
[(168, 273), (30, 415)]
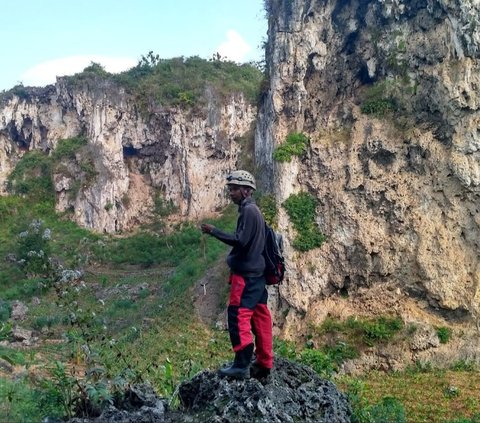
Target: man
[(247, 307)]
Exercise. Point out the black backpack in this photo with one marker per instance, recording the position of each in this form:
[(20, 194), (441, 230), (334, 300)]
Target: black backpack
[(273, 254)]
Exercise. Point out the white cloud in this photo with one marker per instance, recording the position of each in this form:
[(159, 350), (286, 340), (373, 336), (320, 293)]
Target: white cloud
[(46, 72), (234, 47)]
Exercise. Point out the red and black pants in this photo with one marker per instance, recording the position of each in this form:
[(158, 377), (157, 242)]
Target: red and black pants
[(248, 314)]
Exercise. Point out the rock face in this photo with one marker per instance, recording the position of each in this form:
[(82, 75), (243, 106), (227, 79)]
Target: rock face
[(291, 393), (398, 192), (178, 156)]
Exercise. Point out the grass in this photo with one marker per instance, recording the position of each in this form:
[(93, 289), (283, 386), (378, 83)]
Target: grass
[(144, 283), (423, 394)]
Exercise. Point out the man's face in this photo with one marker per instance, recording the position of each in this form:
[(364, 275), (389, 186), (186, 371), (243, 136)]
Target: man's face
[(235, 192)]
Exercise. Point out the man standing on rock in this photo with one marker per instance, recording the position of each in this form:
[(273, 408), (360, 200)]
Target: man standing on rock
[(247, 307)]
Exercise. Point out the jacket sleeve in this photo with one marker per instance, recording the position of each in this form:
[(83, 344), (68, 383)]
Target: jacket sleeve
[(243, 233)]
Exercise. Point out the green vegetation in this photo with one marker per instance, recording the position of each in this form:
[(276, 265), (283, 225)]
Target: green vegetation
[(420, 394), (416, 397), (444, 334), (33, 177), (180, 81), (268, 206), (295, 145), (301, 208), (379, 99), (378, 106), (366, 331), (68, 148), (153, 288)]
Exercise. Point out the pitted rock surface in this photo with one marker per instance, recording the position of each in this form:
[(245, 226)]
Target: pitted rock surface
[(291, 393)]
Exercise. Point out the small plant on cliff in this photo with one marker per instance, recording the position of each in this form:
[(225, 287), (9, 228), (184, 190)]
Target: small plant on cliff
[(68, 148), (295, 145), (444, 334), (378, 99), (301, 210), (268, 206)]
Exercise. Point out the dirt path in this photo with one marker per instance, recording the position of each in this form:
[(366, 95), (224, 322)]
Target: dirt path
[(210, 294)]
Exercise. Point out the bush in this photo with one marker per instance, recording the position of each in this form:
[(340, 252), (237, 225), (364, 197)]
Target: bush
[(388, 410), (185, 82), (294, 145), (444, 334), (301, 210), (32, 177), (319, 361), (5, 310), (378, 106), (285, 349), (68, 148), (268, 206), (33, 249), (382, 328)]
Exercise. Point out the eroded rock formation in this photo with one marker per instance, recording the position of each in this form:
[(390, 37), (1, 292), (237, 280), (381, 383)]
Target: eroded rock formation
[(398, 192), (179, 155)]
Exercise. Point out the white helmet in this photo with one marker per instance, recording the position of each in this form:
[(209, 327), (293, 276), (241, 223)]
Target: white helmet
[(241, 177)]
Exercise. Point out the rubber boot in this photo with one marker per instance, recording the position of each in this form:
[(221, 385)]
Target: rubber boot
[(241, 365), (259, 372)]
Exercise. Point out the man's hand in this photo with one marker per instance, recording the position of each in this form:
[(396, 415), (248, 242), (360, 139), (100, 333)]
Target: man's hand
[(207, 228)]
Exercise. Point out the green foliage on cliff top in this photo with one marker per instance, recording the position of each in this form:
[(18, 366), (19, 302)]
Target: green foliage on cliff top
[(185, 82)]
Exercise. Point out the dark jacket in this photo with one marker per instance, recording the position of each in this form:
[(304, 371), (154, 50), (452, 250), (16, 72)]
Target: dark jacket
[(248, 241)]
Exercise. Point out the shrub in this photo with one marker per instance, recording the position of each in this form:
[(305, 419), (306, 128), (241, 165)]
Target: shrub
[(382, 328), (185, 81), (268, 206), (341, 351), (301, 210), (319, 361), (285, 349), (5, 310), (5, 332), (68, 148), (388, 410), (378, 106), (444, 334), (294, 145), (32, 177), (33, 249), (464, 366)]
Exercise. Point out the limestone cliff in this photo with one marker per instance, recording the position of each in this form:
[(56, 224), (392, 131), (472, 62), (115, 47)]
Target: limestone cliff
[(387, 92), (179, 155)]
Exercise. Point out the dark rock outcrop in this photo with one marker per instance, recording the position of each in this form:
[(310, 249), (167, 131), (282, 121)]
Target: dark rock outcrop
[(292, 393)]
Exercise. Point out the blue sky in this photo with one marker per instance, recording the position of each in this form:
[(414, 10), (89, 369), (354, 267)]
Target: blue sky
[(44, 38)]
